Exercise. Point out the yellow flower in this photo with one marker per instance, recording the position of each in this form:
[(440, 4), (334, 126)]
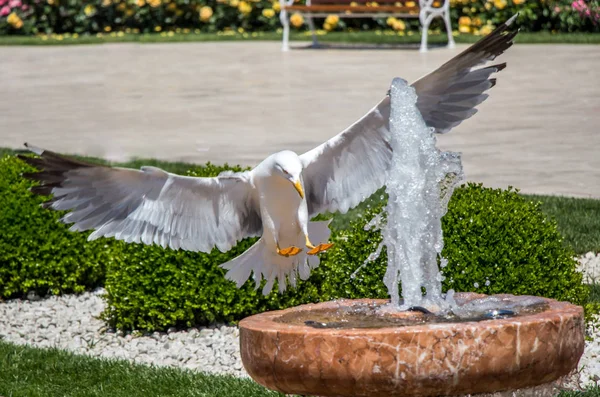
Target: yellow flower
[(244, 7), (500, 4), (390, 21), (121, 7), (157, 28), (51, 2), (276, 6), (327, 27), (410, 4), (476, 21), (464, 28), (487, 6), (172, 7), (14, 20), (332, 20), (464, 21), (89, 10), (437, 4), (268, 13), (297, 20), (399, 25), (353, 4), (107, 29), (154, 3), (234, 3), (141, 3), (106, 3), (129, 12), (205, 13), (517, 2), (486, 29)]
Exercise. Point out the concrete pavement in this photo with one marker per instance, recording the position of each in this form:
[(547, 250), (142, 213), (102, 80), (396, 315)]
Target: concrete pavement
[(237, 102)]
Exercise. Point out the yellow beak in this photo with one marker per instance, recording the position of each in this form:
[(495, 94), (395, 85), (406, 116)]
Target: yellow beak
[(298, 187)]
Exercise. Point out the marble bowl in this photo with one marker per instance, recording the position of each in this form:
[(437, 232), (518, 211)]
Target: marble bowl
[(417, 360)]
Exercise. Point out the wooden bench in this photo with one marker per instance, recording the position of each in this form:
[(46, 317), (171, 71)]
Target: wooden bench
[(425, 11)]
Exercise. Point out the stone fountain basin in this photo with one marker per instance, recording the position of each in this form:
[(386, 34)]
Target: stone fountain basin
[(419, 360)]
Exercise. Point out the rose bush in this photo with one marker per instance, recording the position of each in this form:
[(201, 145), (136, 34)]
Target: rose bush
[(89, 17), (30, 17)]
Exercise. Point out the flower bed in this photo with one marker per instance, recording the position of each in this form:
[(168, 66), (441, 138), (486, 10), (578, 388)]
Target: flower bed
[(30, 17)]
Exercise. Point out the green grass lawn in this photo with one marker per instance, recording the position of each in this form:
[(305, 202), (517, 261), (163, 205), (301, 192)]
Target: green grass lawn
[(33, 372), (367, 37), (578, 220)]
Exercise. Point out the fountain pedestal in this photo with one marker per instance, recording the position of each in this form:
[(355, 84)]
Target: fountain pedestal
[(418, 360)]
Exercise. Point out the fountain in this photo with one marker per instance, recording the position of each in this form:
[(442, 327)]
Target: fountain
[(427, 343)]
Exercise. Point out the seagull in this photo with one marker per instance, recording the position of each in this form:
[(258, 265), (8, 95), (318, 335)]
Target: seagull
[(274, 201)]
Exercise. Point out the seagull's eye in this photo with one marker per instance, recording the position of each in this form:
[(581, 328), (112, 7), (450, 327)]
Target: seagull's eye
[(285, 172)]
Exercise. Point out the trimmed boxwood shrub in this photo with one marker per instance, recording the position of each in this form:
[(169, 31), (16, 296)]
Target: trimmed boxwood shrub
[(495, 240), (36, 252)]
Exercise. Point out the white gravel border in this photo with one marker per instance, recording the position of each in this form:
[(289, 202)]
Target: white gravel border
[(70, 322)]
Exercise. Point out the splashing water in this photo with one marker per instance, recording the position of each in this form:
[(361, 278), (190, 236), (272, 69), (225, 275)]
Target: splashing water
[(420, 183)]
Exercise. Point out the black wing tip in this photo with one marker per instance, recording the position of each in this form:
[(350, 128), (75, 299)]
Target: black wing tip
[(500, 66)]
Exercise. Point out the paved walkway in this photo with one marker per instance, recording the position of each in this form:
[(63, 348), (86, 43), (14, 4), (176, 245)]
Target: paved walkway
[(238, 102)]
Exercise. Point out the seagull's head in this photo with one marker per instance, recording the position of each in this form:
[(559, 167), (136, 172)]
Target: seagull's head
[(287, 164)]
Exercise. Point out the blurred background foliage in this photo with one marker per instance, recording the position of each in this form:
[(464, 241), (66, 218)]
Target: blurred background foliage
[(83, 17)]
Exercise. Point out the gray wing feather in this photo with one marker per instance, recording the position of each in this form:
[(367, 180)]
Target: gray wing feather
[(150, 205), (353, 165), (449, 95)]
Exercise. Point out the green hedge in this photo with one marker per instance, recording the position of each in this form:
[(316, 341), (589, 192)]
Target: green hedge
[(104, 16), (490, 235), (36, 252)]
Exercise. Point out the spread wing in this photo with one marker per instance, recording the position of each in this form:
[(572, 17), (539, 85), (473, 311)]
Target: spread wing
[(450, 94), (351, 166), (149, 205)]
